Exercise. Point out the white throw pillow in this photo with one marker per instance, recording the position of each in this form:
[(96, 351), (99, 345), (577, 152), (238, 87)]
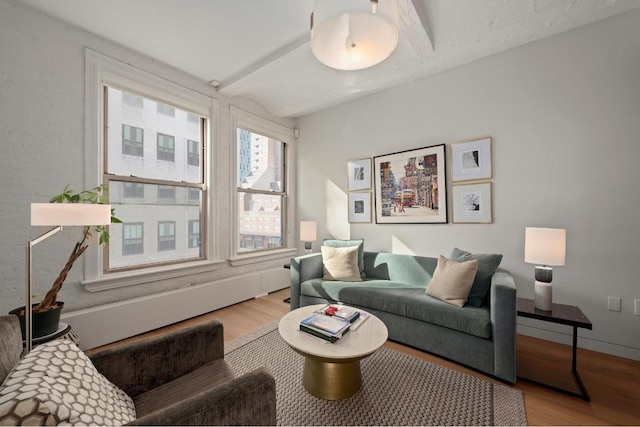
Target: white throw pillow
[(56, 383), (452, 280), (340, 264)]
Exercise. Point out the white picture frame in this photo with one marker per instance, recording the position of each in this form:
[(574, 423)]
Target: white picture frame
[(359, 175), (472, 203), (360, 207), (471, 160)]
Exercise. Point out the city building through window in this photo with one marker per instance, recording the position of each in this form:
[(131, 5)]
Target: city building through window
[(158, 194)]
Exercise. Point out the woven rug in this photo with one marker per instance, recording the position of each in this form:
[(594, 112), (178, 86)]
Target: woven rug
[(397, 389)]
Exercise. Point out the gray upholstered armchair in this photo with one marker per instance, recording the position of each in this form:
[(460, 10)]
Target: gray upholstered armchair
[(174, 378)]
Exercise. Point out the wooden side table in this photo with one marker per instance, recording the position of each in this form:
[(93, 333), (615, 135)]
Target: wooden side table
[(566, 315)]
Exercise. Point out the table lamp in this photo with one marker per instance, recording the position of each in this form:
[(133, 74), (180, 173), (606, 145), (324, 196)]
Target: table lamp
[(57, 215), (307, 234), (545, 247)]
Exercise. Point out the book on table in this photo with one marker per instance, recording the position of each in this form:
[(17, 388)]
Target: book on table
[(340, 311), (326, 327)]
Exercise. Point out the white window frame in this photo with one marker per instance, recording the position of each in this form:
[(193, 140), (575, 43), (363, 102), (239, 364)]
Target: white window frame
[(100, 70), (255, 123)]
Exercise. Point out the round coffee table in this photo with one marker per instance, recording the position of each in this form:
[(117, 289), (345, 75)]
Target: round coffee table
[(332, 371)]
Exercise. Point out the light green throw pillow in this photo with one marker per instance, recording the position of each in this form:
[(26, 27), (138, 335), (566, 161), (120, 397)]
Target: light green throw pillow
[(336, 243), (487, 265), (340, 264), (452, 280)]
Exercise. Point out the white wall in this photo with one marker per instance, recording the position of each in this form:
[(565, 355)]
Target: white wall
[(42, 116), (564, 114)]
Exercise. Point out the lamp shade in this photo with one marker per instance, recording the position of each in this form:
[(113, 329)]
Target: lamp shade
[(307, 231), (353, 41), (69, 214), (546, 246)]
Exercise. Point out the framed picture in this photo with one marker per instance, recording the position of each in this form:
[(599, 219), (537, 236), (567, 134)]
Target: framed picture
[(411, 186), (359, 174), (472, 203), (360, 207), (471, 160)]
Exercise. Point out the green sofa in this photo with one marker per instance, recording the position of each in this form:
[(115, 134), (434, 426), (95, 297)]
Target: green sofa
[(483, 338)]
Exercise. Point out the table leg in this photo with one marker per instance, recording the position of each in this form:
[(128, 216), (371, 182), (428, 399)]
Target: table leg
[(331, 381), (574, 367), (574, 370)]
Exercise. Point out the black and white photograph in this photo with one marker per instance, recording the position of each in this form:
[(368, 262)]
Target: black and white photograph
[(472, 203), (471, 160), (360, 207), (359, 174)]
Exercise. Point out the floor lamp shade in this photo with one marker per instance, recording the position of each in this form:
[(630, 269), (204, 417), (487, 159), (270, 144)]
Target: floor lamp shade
[(70, 214), (545, 247)]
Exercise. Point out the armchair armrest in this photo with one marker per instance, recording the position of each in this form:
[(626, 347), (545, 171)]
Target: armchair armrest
[(303, 268), (247, 400), (503, 324), (139, 366)]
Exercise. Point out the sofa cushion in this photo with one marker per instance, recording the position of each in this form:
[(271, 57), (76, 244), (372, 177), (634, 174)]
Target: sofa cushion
[(452, 280), (340, 264), (401, 299), (56, 383), (487, 264), (336, 243)]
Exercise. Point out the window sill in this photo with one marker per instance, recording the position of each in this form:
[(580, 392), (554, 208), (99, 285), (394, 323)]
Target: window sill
[(256, 257), (120, 280)]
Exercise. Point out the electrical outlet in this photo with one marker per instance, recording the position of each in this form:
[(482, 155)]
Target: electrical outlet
[(614, 303), (636, 307)]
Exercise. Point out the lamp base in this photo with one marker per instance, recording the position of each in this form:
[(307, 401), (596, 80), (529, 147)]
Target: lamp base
[(543, 296)]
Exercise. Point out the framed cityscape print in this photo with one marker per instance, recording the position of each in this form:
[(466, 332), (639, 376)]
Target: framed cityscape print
[(471, 160), (472, 203), (360, 207), (411, 186), (359, 174)]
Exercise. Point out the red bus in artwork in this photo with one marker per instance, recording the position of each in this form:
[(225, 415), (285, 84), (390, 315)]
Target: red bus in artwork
[(406, 197)]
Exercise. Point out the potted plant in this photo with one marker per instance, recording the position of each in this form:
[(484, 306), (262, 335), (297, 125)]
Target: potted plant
[(46, 313)]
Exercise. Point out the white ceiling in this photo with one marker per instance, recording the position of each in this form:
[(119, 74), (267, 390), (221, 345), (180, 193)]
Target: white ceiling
[(259, 49)]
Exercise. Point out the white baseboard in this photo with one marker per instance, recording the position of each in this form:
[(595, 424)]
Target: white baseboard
[(105, 324)]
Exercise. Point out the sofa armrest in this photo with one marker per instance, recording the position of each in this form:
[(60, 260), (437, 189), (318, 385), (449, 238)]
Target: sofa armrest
[(503, 324), (142, 365), (303, 268), (247, 400)]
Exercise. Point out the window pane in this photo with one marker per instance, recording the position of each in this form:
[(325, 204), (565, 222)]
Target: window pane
[(154, 229), (128, 128), (166, 147), (193, 153), (260, 162), (132, 140), (132, 239), (260, 221)]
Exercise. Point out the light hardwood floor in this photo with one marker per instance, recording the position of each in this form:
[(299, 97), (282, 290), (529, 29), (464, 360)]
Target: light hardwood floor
[(612, 382)]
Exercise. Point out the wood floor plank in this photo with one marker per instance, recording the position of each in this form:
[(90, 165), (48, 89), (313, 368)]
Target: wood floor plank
[(612, 382)]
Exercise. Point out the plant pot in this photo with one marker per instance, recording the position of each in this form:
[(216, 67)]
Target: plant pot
[(44, 323)]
